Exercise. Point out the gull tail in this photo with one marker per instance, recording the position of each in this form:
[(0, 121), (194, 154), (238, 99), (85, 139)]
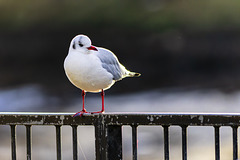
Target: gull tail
[(133, 74)]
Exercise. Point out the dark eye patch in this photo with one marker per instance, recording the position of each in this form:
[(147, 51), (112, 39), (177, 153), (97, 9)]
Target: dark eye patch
[(74, 47), (80, 44)]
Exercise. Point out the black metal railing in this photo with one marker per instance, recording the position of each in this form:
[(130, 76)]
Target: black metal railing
[(108, 130)]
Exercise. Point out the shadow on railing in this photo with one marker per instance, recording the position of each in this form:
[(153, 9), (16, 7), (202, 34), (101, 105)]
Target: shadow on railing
[(108, 130)]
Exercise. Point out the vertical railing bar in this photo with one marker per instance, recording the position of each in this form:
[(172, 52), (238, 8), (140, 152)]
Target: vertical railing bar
[(184, 142), (101, 138), (114, 142), (235, 142), (217, 142), (97, 141), (29, 142), (59, 142), (75, 142), (166, 142), (134, 142), (13, 141)]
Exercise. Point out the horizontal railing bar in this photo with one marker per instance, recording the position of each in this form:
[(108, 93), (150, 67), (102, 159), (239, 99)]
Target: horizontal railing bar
[(189, 119), (121, 113)]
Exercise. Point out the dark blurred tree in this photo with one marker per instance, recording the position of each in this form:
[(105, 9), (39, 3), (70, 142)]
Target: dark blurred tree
[(172, 43)]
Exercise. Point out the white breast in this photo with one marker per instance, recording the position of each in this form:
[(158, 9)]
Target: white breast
[(86, 72)]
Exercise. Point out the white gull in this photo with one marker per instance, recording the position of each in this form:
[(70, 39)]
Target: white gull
[(93, 69)]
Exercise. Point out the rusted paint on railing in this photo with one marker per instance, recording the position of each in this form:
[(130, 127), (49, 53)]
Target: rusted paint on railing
[(108, 128), (182, 119)]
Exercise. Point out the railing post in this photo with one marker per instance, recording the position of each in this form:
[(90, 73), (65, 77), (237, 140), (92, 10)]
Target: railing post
[(114, 140), (100, 139), (108, 140)]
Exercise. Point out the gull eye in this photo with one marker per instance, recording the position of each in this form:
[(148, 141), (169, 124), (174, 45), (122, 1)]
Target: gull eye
[(80, 44)]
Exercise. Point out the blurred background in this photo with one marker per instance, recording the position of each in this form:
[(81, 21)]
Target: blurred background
[(188, 53)]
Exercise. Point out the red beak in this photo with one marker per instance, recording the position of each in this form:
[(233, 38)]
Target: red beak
[(92, 48)]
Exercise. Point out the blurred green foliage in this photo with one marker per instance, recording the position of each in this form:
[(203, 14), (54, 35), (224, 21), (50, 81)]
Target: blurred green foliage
[(147, 15), (171, 42)]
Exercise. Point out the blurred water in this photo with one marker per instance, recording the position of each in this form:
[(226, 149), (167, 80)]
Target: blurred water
[(173, 100), (33, 98), (25, 98), (150, 138)]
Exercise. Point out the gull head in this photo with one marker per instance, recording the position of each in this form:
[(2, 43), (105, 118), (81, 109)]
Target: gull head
[(82, 44)]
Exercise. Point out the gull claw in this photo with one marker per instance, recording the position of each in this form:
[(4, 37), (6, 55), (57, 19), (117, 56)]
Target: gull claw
[(80, 114), (84, 112)]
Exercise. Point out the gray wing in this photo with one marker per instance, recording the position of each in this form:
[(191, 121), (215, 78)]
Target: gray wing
[(110, 63)]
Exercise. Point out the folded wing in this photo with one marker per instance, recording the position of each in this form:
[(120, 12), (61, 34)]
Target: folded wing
[(111, 63)]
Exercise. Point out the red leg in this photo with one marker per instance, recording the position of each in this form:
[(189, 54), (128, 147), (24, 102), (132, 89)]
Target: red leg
[(83, 106), (83, 101), (84, 110), (103, 110), (102, 94)]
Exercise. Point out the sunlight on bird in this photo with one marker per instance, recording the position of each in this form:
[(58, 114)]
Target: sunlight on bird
[(93, 69)]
